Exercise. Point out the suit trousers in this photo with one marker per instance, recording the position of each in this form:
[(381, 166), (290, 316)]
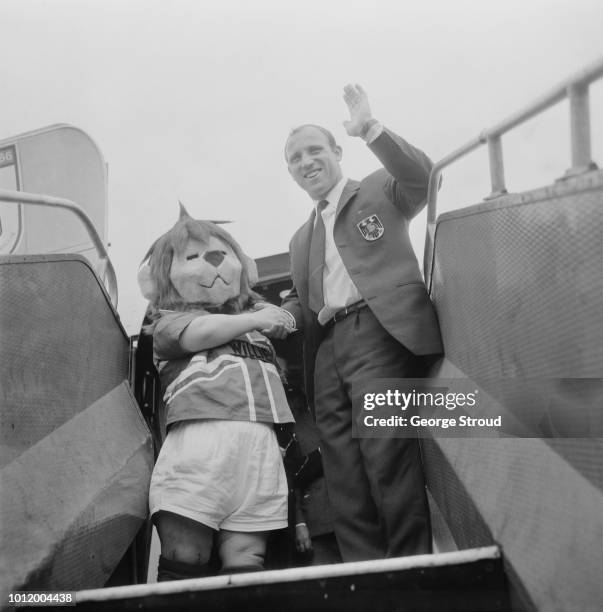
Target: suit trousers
[(376, 485)]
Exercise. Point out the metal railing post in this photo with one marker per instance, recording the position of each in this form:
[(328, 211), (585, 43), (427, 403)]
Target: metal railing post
[(579, 127), (576, 89), (497, 168)]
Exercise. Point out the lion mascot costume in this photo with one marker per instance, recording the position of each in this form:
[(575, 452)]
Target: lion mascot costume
[(219, 478)]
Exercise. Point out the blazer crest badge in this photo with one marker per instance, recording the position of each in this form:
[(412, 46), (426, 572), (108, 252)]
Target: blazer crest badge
[(371, 228)]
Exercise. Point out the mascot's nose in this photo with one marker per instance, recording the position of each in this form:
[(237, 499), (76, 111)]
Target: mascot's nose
[(215, 258)]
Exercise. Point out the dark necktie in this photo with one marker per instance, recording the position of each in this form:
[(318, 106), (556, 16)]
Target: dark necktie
[(316, 261)]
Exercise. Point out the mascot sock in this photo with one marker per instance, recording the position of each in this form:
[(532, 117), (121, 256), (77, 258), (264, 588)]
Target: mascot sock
[(242, 569), (249, 563), (179, 570)]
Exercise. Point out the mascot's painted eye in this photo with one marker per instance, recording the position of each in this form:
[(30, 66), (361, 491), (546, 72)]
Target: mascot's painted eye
[(215, 258), (188, 257)]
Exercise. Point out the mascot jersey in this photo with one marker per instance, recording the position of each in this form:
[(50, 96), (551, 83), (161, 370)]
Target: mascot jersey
[(236, 381)]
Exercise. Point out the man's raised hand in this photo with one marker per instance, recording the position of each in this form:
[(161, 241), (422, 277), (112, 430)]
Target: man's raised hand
[(358, 105)]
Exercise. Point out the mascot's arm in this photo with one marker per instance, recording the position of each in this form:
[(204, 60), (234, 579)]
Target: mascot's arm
[(208, 331)]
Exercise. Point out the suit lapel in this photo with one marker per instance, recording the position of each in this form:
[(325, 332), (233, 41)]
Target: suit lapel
[(350, 189), (299, 257)]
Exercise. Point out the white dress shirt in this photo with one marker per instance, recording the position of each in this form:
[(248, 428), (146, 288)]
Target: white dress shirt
[(338, 289)]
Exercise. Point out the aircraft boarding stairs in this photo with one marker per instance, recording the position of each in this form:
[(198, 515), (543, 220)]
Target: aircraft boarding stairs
[(518, 520), (75, 452), (76, 460), (518, 287)]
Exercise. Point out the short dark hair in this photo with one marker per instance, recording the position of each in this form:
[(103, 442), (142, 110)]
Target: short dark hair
[(299, 128)]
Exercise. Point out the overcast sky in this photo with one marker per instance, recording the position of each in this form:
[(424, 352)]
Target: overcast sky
[(193, 100)]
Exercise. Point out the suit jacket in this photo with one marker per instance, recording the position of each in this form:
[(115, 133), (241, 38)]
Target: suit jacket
[(385, 270)]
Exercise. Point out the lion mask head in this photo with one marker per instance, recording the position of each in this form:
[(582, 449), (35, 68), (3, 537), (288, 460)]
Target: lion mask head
[(197, 264)]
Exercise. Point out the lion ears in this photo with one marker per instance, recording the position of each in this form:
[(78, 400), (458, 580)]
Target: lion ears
[(147, 285), (251, 268)]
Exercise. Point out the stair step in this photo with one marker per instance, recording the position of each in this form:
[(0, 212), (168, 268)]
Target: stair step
[(462, 580)]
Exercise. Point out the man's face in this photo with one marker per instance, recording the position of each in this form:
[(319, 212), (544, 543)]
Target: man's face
[(312, 162)]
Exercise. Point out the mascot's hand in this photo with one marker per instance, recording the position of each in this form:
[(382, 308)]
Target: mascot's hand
[(277, 331), (272, 321)]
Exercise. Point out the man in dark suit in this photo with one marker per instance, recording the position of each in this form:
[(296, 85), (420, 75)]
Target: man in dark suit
[(359, 299)]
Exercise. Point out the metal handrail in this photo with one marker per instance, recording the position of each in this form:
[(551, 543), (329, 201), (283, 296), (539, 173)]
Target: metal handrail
[(576, 89), (105, 268), (132, 594)]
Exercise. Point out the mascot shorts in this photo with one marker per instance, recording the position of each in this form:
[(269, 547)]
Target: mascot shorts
[(224, 474)]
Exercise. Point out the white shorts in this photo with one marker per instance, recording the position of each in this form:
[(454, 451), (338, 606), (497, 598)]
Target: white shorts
[(224, 474)]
